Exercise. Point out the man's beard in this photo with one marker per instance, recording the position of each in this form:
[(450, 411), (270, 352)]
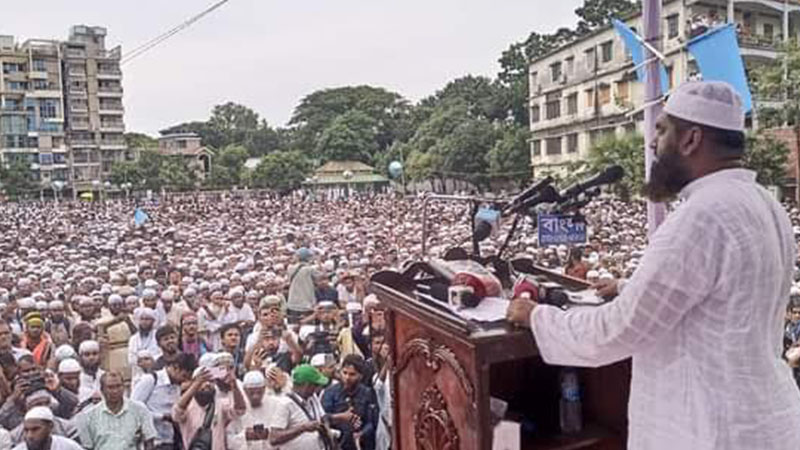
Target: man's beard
[(39, 445), (668, 175), (203, 398)]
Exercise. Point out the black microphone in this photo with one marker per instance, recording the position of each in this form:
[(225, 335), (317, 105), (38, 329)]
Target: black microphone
[(547, 195), (579, 201), (528, 193), (610, 175)]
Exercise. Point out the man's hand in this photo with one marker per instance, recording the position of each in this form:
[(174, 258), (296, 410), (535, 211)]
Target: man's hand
[(310, 427), (519, 312), (606, 288)]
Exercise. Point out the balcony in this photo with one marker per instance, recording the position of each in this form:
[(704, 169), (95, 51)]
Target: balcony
[(109, 91), (77, 74), (112, 127), (11, 109), (115, 53), (45, 93), (77, 108), (113, 144), (38, 75), (75, 53), (79, 126), (111, 110), (78, 92), (755, 46), (82, 143), (109, 74)]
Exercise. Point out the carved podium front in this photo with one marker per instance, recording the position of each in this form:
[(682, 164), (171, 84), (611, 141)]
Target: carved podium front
[(446, 369)]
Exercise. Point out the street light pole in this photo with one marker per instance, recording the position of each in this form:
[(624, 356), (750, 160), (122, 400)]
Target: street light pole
[(656, 212)]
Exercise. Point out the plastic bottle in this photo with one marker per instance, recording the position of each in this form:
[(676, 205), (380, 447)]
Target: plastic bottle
[(571, 417)]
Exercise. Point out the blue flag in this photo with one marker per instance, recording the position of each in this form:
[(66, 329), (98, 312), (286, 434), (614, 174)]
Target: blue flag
[(140, 217), (636, 49), (719, 59)]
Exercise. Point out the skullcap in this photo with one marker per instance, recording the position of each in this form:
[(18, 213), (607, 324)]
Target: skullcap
[(711, 103), (69, 365), (40, 413), (89, 346), (254, 379)]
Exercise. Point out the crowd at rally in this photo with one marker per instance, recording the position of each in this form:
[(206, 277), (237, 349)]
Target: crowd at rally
[(243, 323)]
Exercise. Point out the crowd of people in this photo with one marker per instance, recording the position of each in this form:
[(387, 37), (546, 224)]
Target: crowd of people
[(235, 322)]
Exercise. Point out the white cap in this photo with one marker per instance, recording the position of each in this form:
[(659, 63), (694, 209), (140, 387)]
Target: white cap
[(254, 379), (711, 103), (65, 351), (88, 346), (69, 365), (115, 299), (39, 413)]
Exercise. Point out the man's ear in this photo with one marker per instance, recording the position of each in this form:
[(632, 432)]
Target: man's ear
[(689, 142)]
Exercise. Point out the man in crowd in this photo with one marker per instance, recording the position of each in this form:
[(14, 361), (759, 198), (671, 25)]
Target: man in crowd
[(297, 422), (260, 407), (160, 391), (352, 406), (116, 423), (145, 339), (91, 372), (167, 339), (38, 432)]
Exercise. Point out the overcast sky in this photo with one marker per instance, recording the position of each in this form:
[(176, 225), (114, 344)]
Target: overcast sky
[(268, 54)]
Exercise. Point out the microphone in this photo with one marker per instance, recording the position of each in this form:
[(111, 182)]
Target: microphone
[(528, 193), (548, 194), (610, 175), (579, 201), (486, 222)]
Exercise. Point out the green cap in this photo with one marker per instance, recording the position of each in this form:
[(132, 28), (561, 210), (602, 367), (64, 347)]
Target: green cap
[(307, 374)]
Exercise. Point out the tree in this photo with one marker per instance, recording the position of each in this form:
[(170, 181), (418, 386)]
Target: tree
[(626, 151), (126, 172), (281, 171), (175, 174), (596, 14), (768, 157), (227, 167), (15, 179), (510, 158), (320, 109), (782, 80), (140, 141), (351, 136), (484, 98)]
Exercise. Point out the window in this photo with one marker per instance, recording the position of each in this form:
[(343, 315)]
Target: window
[(553, 109), (14, 125), (607, 49), (46, 159), (604, 94), (555, 71), (769, 31), (11, 68), (570, 61), (181, 144), (39, 65), (590, 98), (535, 113), (623, 91), (590, 58), (16, 85), (48, 109), (536, 148), (672, 26), (40, 85), (534, 80), (572, 143), (59, 158), (554, 146), (572, 103)]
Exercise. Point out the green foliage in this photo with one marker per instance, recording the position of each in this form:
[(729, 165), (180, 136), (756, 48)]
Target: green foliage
[(227, 168), (281, 171), (595, 14), (154, 171), (769, 82), (483, 97), (768, 158), (233, 124), (15, 179), (319, 110), (511, 155), (140, 141), (626, 151), (352, 136)]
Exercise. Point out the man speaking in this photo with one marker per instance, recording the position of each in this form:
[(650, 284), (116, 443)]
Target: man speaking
[(702, 316)]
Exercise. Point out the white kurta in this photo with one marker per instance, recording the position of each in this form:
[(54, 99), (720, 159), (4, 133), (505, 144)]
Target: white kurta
[(702, 318)]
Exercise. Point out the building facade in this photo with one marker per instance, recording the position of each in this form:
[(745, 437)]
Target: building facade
[(189, 147), (587, 90), (61, 108)]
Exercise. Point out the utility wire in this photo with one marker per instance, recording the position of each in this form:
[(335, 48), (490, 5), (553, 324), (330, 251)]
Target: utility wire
[(140, 50)]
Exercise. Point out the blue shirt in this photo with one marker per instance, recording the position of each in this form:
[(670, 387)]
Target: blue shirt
[(336, 400), (159, 395)]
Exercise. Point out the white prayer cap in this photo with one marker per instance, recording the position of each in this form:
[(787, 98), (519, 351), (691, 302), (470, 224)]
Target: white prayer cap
[(89, 346), (207, 360), (115, 299), (168, 295), (148, 293), (56, 304), (142, 312), (69, 365), (151, 284), (40, 413), (711, 103), (64, 351), (371, 299), (26, 303), (254, 379), (41, 305)]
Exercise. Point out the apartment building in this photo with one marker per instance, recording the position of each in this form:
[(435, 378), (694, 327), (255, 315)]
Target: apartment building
[(586, 90), (61, 107)]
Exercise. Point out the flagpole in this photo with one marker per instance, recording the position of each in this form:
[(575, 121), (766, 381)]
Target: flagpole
[(656, 212)]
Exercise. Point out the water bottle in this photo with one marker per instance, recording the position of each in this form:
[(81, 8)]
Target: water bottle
[(571, 418)]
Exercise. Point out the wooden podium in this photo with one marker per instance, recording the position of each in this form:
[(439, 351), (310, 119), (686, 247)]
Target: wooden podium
[(446, 369)]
